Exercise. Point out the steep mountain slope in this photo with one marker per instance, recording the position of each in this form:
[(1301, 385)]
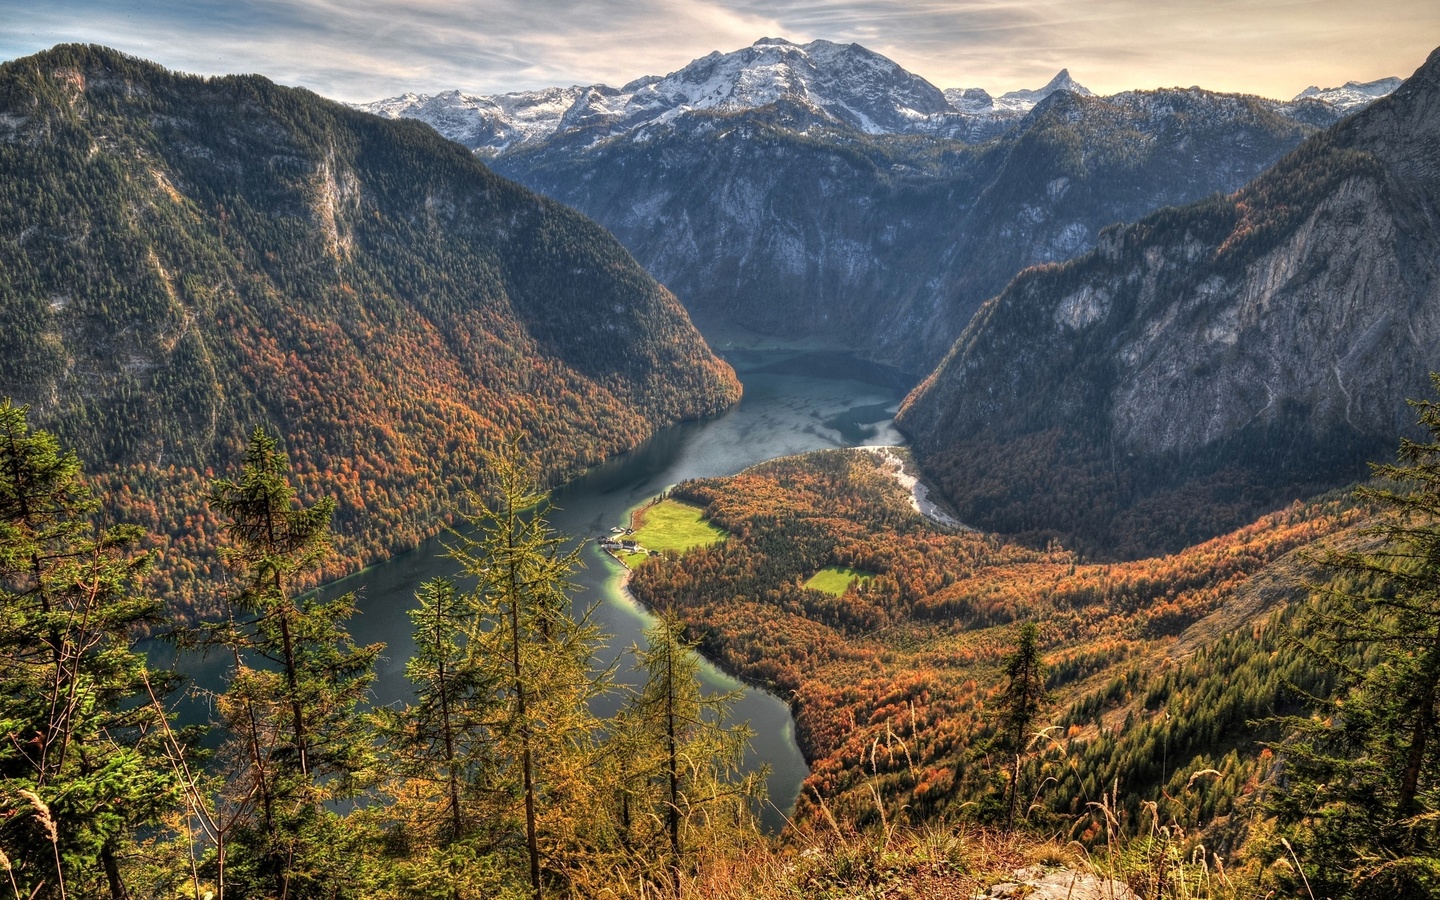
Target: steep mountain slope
[(184, 258), (1209, 361), (891, 243)]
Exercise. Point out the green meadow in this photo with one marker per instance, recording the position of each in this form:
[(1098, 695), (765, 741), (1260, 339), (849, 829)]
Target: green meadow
[(671, 525), (837, 579)]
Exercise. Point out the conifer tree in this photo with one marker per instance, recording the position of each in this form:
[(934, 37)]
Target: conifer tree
[(685, 758), (1020, 704), (1361, 796), (541, 661), (443, 737), (299, 737), (442, 756), (82, 755)]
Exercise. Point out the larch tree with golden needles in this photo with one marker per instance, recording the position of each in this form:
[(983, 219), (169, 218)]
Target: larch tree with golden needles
[(541, 660), (683, 789)]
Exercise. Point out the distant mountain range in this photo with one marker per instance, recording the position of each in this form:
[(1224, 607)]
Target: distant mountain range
[(822, 190), (840, 83), (1210, 361), (844, 83)]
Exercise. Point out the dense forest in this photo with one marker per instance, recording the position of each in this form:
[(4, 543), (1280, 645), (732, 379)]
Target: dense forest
[(915, 654), (1168, 687), (183, 254)]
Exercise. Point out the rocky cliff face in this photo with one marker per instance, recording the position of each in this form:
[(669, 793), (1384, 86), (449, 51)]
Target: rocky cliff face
[(1239, 352)]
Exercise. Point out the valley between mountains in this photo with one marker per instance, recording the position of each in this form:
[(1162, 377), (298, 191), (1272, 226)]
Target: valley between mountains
[(253, 341)]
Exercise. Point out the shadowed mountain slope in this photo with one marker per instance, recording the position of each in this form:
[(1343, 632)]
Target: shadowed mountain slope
[(1210, 361)]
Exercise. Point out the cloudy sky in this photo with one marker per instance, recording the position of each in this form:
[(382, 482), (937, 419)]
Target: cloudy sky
[(368, 49)]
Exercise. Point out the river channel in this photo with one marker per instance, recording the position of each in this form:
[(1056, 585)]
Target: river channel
[(794, 402)]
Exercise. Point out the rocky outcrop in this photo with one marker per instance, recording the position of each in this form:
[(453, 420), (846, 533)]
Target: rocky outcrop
[(1241, 351), (1037, 883)]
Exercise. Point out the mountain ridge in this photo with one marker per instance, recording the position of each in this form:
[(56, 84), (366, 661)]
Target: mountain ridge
[(824, 75), (184, 258), (1234, 354)]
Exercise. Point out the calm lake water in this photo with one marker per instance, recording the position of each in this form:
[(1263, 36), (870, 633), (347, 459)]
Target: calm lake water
[(794, 402)]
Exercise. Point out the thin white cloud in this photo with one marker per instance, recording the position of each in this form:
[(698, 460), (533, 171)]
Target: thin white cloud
[(365, 49)]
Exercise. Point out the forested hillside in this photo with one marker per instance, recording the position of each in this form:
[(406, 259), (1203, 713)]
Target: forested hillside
[(184, 258), (1207, 363), (896, 680)]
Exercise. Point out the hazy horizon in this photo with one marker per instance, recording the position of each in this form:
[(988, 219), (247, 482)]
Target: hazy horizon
[(371, 49)]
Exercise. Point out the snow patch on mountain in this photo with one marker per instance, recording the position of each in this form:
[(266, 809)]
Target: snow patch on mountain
[(1352, 95), (495, 122)]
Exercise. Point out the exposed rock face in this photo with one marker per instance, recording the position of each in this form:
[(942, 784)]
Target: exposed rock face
[(1262, 343), (1036, 883)]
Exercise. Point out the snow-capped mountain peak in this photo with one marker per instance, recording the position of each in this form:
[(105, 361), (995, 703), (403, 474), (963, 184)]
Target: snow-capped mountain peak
[(978, 101), (1352, 94), (845, 83), (1025, 100)]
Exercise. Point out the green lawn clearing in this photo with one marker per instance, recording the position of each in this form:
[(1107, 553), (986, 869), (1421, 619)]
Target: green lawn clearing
[(670, 525), (837, 579)]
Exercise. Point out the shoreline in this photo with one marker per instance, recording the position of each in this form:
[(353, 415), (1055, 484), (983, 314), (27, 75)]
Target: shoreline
[(911, 483)]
